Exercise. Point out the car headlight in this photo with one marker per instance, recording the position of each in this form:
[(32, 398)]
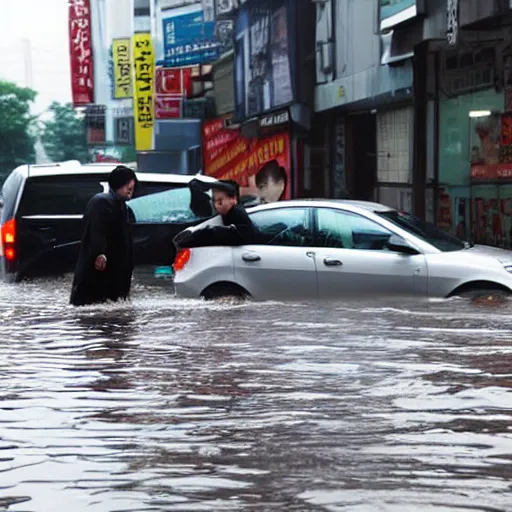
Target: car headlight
[(508, 268)]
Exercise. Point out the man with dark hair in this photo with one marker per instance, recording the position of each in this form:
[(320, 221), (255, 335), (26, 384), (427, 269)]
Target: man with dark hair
[(237, 227), (271, 181), (105, 263)]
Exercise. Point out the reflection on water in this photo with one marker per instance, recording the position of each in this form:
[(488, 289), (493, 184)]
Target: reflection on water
[(165, 404)]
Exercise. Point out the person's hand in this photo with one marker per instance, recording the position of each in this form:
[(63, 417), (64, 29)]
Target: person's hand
[(101, 263)]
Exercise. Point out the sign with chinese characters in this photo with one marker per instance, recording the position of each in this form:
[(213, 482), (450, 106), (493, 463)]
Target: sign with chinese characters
[(80, 51), (189, 39), (452, 19), (143, 86), (121, 56), (260, 166)]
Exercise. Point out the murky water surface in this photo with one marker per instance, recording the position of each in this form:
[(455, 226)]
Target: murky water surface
[(166, 405)]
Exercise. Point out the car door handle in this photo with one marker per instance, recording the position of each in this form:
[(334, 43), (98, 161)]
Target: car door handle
[(331, 262), (250, 257)]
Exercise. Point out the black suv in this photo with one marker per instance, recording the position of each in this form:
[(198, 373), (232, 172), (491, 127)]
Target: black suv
[(41, 210)]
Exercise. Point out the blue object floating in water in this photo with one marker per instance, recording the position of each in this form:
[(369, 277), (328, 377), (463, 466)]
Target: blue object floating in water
[(163, 272)]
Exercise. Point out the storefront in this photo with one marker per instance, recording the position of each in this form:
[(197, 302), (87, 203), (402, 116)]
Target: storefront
[(475, 157)]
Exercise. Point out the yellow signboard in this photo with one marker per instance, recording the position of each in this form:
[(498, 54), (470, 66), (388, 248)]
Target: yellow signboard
[(143, 85), (121, 56)]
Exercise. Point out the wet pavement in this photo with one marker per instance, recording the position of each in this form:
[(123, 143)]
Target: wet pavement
[(166, 404)]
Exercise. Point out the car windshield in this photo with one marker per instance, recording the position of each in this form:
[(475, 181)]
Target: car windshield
[(427, 232)]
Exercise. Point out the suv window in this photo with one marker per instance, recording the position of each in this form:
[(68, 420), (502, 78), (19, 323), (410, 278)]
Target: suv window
[(284, 226), (346, 230), (164, 207), (59, 195), (9, 196)]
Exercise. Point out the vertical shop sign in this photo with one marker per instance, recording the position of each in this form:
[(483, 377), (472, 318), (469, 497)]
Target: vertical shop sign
[(80, 49), (122, 69), (452, 16), (144, 65)]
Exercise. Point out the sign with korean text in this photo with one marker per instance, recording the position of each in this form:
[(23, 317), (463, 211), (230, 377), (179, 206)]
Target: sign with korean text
[(189, 39), (143, 86), (80, 51), (121, 56), (261, 166)]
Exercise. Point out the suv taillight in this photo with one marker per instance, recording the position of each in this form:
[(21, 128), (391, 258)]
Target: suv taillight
[(8, 239)]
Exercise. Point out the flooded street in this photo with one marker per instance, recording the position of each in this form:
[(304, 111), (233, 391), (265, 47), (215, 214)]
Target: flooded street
[(167, 405)]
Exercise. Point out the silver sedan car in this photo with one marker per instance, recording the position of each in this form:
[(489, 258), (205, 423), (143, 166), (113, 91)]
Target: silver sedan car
[(333, 249)]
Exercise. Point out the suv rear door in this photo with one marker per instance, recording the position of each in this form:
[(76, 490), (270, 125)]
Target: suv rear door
[(49, 220)]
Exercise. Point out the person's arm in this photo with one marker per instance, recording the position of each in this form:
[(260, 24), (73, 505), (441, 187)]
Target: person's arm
[(99, 219), (200, 201)]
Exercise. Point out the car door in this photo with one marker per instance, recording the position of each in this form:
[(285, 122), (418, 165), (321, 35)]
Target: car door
[(282, 266), (352, 258), (158, 219)]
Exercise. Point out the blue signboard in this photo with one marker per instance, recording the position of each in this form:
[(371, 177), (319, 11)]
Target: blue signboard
[(188, 40), (389, 8)]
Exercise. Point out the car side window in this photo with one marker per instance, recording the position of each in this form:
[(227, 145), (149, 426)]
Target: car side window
[(346, 230), (164, 207), (284, 226)]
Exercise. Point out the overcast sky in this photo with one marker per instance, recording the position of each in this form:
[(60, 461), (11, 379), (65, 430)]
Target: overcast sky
[(44, 23)]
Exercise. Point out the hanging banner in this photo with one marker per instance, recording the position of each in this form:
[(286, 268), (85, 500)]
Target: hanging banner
[(121, 56), (80, 51), (143, 86), (260, 166)]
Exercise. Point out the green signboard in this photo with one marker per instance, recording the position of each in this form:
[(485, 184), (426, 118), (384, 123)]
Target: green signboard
[(389, 8)]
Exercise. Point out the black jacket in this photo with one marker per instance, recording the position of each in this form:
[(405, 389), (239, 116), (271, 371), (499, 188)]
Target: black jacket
[(107, 230), (237, 229)]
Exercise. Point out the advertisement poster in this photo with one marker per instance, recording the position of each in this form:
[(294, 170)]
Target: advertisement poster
[(490, 150), (121, 56), (188, 38), (80, 51), (260, 166), (262, 58), (484, 218), (144, 75)]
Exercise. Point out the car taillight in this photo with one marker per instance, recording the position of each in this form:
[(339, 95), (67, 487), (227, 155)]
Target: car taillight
[(182, 258), (8, 234)]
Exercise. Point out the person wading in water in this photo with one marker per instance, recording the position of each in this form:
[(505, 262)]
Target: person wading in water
[(105, 263)]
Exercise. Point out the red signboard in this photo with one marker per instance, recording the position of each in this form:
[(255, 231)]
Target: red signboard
[(260, 166), (174, 81), (167, 107), (171, 86), (80, 48)]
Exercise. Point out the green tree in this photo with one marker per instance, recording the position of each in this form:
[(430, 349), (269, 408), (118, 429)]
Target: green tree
[(16, 123), (64, 135)]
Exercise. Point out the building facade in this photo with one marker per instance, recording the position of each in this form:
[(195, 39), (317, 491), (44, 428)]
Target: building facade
[(413, 101)]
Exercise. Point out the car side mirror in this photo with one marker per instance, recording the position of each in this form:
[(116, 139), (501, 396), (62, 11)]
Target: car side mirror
[(398, 244)]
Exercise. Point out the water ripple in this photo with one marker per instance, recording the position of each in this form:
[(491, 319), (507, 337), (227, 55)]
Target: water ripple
[(166, 404)]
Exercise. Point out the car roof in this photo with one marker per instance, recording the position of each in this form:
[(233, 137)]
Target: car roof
[(346, 204), (75, 168)]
